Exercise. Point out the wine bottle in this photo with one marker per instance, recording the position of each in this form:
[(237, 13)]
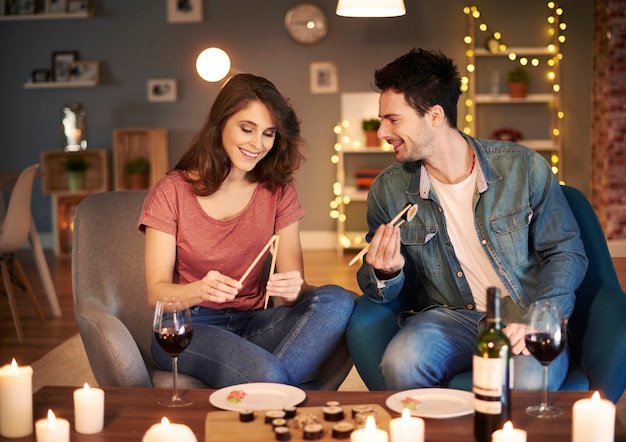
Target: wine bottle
[(490, 372)]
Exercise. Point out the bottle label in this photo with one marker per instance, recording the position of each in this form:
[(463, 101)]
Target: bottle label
[(487, 374)]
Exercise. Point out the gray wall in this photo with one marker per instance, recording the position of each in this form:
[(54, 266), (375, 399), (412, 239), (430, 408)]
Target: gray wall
[(134, 42)]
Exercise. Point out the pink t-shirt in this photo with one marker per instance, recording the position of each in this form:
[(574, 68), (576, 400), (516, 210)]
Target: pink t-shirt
[(204, 243)]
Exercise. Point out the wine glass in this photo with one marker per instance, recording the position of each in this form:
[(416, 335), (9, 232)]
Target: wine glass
[(173, 330), (545, 338)]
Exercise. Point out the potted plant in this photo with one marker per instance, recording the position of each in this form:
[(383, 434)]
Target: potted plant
[(518, 80), (138, 171), (76, 168), (370, 126)]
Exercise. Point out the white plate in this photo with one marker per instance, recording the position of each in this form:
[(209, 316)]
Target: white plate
[(258, 396), (435, 403)]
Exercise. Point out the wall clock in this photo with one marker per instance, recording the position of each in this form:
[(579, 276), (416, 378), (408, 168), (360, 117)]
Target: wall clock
[(306, 23)]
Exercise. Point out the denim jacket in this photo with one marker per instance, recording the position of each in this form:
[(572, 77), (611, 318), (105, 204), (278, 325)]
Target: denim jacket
[(522, 219)]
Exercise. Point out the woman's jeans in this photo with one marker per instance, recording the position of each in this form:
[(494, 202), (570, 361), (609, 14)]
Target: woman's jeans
[(283, 344), (437, 344)]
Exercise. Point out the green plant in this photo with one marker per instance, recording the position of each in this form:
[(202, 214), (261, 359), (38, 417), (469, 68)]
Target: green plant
[(138, 165), (76, 164), (518, 75), (371, 124)]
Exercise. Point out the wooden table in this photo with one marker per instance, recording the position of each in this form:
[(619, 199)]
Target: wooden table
[(130, 412)]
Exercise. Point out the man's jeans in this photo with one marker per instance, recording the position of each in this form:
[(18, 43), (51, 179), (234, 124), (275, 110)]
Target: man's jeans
[(283, 344), (436, 344)]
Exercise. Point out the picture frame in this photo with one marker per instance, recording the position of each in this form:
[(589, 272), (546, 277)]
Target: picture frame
[(20, 7), (84, 70), (61, 61), (56, 6), (162, 90), (78, 6), (40, 76), (184, 11), (324, 78)]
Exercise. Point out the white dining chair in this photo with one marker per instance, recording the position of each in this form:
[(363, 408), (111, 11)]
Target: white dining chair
[(13, 234)]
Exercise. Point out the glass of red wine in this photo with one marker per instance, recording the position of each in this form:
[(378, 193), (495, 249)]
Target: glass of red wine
[(173, 331), (545, 338)]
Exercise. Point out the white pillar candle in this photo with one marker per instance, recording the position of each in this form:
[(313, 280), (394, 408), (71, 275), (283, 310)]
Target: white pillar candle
[(16, 400), (508, 434), (406, 428), (593, 419), (52, 429), (88, 410), (167, 432), (370, 433)]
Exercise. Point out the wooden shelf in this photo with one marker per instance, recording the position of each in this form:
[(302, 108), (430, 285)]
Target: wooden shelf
[(55, 178), (505, 99), (519, 51), (60, 84), (132, 143), (44, 16)]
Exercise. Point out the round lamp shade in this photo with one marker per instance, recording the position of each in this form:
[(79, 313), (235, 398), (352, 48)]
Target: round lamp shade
[(370, 8), (213, 64)]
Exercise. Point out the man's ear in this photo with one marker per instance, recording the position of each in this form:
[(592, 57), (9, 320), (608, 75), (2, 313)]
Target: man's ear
[(436, 115)]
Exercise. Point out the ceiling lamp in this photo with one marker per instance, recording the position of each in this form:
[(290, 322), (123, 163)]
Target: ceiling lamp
[(213, 64), (370, 8)]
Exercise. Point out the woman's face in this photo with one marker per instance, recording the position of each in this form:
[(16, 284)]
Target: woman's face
[(248, 136)]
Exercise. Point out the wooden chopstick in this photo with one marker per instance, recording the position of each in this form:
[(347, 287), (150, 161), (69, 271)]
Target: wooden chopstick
[(393, 221), (259, 256), (274, 251)]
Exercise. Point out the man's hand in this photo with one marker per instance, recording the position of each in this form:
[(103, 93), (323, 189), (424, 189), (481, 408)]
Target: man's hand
[(516, 332), (384, 250)]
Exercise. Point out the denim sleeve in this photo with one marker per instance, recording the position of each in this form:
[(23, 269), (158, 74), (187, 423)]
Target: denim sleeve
[(556, 238), (371, 288)]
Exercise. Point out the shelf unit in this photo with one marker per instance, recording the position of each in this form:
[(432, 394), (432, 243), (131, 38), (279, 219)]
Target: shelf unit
[(132, 143), (64, 201), (46, 16), (537, 116), (60, 84)]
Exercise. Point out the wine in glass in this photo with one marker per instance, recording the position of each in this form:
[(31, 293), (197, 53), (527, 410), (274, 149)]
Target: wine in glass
[(173, 329), (545, 338)]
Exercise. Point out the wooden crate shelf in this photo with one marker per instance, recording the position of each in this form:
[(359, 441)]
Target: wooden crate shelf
[(55, 178), (132, 143)]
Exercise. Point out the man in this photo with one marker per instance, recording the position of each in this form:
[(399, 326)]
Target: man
[(490, 213)]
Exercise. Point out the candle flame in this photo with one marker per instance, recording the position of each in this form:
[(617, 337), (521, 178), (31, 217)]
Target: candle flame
[(86, 388), (508, 427), (51, 417), (595, 399), (165, 422), (14, 366), (370, 424), (406, 414)]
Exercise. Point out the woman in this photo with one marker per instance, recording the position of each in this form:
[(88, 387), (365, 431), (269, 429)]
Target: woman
[(207, 220)]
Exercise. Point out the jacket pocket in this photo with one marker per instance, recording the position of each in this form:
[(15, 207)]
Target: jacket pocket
[(511, 229), (421, 244)]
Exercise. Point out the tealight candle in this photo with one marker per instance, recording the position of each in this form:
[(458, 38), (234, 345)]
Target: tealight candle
[(52, 429), (370, 433), (167, 432), (593, 419), (508, 434), (406, 428), (16, 400), (89, 410)]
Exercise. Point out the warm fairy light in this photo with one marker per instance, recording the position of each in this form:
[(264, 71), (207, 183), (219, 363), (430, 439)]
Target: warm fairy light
[(334, 214), (534, 62), (345, 139), (482, 27), (469, 102), (512, 56), (342, 218), (470, 68), (337, 129), (523, 61), (467, 39), (556, 87), (337, 147), (469, 118), (334, 204), (554, 158), (345, 199), (334, 159)]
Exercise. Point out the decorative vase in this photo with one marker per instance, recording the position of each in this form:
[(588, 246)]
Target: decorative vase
[(74, 126), (517, 90), (139, 181), (371, 139), (76, 180)]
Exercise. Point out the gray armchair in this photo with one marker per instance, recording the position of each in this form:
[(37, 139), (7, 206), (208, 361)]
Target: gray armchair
[(111, 310)]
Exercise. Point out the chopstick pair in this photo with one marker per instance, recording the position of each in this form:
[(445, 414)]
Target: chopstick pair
[(407, 213), (272, 244)]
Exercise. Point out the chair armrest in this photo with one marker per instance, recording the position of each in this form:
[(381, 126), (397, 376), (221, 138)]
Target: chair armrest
[(113, 354), (603, 350)]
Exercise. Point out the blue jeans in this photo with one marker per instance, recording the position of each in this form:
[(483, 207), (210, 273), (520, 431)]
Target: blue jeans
[(437, 344), (284, 345)]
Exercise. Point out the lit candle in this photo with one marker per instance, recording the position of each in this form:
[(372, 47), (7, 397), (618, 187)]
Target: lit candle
[(167, 432), (508, 434), (370, 433), (406, 428), (593, 419), (52, 429), (89, 409), (16, 400)]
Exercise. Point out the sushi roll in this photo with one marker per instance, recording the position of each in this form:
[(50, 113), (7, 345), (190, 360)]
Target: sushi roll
[(246, 415), (342, 430), (270, 415), (313, 431), (333, 413), (290, 412), (358, 409), (282, 433)]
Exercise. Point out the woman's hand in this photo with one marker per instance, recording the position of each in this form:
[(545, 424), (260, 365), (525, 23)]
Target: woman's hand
[(516, 333), (286, 286), (218, 288)]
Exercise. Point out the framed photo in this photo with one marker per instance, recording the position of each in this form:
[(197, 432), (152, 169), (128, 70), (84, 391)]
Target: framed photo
[(84, 71), (56, 6), (324, 78), (18, 7), (40, 76), (162, 90), (74, 6), (61, 62), (184, 11)]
